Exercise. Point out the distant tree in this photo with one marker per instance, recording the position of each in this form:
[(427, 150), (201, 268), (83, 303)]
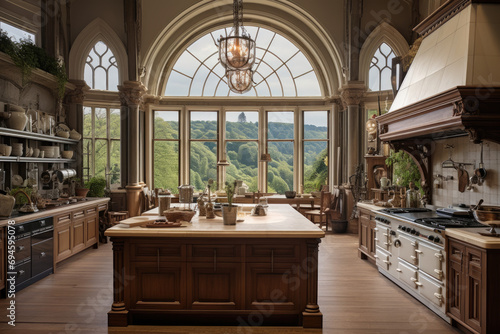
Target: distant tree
[(242, 118)]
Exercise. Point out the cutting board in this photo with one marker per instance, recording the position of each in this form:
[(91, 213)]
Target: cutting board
[(463, 179), (138, 221)]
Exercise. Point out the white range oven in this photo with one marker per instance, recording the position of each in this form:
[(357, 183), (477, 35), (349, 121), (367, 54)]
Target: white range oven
[(410, 252)]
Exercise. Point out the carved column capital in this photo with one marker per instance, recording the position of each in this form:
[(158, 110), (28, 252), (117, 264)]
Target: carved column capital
[(77, 95), (132, 93), (353, 93)]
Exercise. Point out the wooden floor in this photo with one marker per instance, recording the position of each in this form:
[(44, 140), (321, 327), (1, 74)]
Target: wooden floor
[(353, 297)]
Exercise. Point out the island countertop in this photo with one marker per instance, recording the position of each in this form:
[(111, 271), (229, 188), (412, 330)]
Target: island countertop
[(282, 221)]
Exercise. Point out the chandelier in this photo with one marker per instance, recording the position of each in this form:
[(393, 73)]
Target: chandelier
[(237, 53)]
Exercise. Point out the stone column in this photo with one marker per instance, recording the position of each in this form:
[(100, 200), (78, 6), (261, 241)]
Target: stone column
[(352, 94), (74, 100), (335, 168), (131, 95)]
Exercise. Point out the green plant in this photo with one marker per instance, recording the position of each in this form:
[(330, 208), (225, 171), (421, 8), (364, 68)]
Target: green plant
[(404, 169), (20, 199), (96, 186), (28, 56), (230, 188)]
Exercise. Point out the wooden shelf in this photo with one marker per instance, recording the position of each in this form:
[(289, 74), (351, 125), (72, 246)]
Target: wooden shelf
[(35, 136), (40, 160)]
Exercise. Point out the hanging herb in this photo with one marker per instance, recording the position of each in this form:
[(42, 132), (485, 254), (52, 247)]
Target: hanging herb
[(404, 169)]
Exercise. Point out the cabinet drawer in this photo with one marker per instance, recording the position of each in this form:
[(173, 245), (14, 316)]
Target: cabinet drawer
[(102, 207), (62, 219), (91, 211), (157, 252), (276, 253), (79, 214), (208, 252), (456, 252)]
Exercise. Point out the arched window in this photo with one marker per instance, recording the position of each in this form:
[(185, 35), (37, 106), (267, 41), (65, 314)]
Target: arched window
[(380, 68), (101, 69), (280, 70)]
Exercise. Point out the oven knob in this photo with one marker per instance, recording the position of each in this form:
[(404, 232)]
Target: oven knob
[(393, 232), (403, 228), (413, 231), (400, 227), (417, 233), (436, 239), (431, 237)]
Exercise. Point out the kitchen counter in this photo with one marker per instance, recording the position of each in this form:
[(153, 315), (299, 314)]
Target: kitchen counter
[(209, 273), (369, 206), (53, 211), (282, 221), (471, 236)]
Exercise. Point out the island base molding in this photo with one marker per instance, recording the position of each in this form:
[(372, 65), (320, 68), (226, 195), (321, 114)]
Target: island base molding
[(215, 281)]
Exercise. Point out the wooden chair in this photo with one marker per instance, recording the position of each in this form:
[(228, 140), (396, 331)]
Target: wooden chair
[(325, 203), (114, 217), (335, 212)]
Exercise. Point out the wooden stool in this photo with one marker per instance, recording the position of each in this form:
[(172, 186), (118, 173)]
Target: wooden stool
[(115, 216)]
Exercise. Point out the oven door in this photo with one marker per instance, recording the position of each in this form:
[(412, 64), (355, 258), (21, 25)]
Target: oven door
[(407, 249), (430, 260), (407, 274), (383, 237), (431, 290)]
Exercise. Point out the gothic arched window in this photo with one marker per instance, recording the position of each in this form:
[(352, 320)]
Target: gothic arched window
[(380, 69), (101, 70)]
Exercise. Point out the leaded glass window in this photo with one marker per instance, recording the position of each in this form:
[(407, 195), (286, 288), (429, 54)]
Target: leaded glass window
[(101, 70), (281, 69), (380, 69)]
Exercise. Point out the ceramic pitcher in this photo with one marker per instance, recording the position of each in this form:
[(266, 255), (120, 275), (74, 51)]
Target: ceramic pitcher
[(385, 182)]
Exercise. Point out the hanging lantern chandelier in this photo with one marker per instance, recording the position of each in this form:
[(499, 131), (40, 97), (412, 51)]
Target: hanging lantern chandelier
[(237, 53)]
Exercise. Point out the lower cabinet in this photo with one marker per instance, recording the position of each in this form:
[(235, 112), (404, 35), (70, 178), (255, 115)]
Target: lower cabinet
[(473, 292), (2, 258), (366, 230), (76, 230)]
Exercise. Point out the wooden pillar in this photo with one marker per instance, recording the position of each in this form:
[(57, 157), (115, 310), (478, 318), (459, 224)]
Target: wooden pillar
[(352, 95), (312, 317), (118, 316), (131, 96)]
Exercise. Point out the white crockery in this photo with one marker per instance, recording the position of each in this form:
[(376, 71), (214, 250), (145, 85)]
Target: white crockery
[(36, 152), (17, 120)]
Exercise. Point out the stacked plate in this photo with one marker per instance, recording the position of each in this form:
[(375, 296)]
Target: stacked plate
[(49, 151)]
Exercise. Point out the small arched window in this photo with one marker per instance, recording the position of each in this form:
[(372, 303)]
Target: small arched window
[(380, 68), (101, 70)]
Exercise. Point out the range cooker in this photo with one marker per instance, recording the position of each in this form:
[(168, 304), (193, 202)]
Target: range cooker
[(410, 251)]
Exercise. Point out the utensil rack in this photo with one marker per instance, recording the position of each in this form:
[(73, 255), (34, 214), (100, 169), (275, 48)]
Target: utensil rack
[(453, 164)]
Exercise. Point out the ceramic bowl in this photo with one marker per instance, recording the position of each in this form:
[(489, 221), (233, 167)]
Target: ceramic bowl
[(17, 152), (73, 134), (62, 134), (36, 152), (17, 120), (67, 154), (5, 150), (290, 194)]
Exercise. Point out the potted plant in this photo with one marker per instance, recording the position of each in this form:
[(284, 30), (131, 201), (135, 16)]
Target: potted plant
[(80, 190), (96, 186), (229, 211)]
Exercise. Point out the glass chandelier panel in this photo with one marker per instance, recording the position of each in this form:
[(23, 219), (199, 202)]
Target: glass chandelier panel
[(239, 81), (237, 51)]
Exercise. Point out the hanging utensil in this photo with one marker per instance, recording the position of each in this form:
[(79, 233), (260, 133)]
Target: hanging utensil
[(463, 179), (481, 171)]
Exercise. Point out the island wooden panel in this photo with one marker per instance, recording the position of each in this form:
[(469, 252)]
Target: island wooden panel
[(199, 280)]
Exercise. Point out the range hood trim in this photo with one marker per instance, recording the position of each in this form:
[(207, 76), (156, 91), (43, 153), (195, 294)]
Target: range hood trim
[(455, 110)]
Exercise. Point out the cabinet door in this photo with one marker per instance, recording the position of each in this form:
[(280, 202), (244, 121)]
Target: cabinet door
[(473, 297), (78, 236), (214, 286), (274, 287), (364, 223), (62, 241), (455, 289), (91, 230), (372, 249), (2, 259), (158, 285)]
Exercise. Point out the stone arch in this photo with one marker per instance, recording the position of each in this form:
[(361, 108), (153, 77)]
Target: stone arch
[(95, 31), (291, 22), (383, 33)]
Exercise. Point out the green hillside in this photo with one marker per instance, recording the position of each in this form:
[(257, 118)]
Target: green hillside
[(243, 156)]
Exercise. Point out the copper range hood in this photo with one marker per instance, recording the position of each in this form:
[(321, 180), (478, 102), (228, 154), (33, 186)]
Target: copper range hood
[(452, 87)]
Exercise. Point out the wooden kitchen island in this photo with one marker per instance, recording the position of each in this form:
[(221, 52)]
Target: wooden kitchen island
[(263, 271)]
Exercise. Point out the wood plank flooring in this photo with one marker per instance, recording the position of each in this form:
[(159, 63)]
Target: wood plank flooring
[(353, 297)]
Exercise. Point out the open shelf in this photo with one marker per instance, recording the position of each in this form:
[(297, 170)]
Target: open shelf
[(35, 136)]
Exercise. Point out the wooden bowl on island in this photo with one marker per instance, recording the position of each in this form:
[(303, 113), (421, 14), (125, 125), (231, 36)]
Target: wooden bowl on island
[(176, 215)]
